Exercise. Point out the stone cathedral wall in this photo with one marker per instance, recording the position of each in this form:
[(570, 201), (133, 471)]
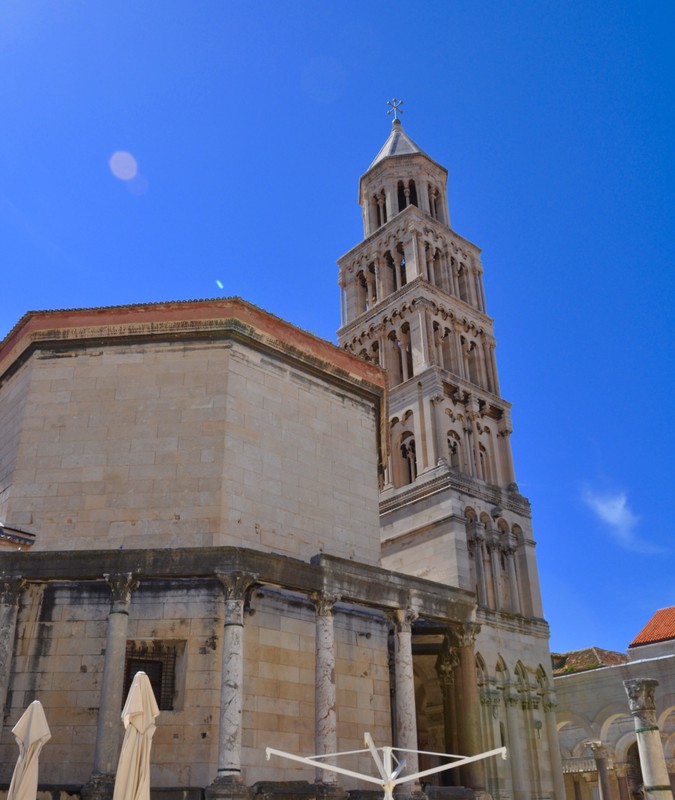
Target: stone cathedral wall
[(60, 653)]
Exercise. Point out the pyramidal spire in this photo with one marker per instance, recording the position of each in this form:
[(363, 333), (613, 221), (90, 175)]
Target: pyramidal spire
[(398, 144)]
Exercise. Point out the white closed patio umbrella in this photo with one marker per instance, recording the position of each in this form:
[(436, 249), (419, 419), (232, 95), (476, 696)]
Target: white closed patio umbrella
[(31, 732), (132, 781)]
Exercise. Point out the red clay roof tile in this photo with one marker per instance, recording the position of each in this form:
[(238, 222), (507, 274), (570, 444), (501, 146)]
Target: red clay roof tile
[(660, 628)]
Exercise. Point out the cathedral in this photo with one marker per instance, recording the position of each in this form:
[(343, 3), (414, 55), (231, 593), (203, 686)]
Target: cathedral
[(299, 543)]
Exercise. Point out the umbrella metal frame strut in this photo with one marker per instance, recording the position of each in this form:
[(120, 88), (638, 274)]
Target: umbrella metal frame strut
[(388, 765)]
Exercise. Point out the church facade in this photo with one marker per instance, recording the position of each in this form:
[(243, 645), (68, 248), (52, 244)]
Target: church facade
[(299, 543)]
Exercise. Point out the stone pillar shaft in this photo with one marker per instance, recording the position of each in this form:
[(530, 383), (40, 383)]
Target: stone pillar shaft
[(554, 747), (406, 720), (469, 720), (654, 770), (235, 586), (519, 782), (600, 756), (10, 593), (112, 683), (325, 699)]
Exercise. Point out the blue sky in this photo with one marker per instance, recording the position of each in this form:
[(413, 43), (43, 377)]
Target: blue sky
[(249, 124)]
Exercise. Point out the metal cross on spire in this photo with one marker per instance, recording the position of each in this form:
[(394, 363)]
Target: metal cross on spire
[(395, 107)]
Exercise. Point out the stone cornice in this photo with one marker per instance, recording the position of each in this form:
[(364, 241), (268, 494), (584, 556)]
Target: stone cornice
[(441, 478), (210, 320), (359, 584), (411, 215), (419, 291)]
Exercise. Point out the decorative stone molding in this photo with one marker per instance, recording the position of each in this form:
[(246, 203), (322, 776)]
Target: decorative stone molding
[(236, 587), (121, 587), (324, 603)]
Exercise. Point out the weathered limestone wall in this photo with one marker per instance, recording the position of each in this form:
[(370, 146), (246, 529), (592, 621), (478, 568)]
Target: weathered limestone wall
[(59, 658), (279, 649), (188, 444)]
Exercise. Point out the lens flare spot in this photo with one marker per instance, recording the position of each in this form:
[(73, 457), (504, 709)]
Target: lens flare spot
[(123, 165), (219, 284)]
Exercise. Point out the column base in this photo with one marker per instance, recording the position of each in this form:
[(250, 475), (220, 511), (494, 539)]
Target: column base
[(228, 788), (98, 787)]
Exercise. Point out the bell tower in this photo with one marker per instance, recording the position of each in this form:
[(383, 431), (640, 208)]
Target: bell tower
[(413, 302), (450, 509)]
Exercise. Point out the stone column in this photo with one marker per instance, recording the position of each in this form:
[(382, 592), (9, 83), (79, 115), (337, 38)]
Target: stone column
[(325, 722), (477, 529), (577, 787), (447, 662), (112, 688), (495, 567), (519, 782), (514, 590), (469, 719), (550, 705), (406, 717), (10, 592), (654, 771), (600, 755), (228, 781)]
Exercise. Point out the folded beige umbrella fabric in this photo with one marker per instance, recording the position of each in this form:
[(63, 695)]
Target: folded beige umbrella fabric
[(31, 732), (132, 781)]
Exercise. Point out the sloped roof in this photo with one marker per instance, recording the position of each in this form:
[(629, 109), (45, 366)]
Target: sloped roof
[(582, 660), (660, 628), (398, 144)]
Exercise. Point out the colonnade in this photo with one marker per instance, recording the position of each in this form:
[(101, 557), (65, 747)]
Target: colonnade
[(374, 276), (391, 197), (236, 585), (464, 439), (487, 548)]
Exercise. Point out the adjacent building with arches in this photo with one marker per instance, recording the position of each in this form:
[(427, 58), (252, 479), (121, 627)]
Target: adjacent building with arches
[(598, 738)]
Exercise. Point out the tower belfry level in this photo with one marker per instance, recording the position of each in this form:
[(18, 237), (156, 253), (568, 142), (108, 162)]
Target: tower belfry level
[(450, 509)]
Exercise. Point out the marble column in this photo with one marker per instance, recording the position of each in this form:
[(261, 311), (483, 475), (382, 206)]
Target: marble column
[(469, 733), (325, 702), (10, 593), (600, 755), (654, 770), (515, 751), (406, 717), (228, 781), (550, 706), (109, 725)]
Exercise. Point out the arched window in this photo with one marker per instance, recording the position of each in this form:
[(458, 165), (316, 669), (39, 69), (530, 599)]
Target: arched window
[(454, 451), (413, 193), (409, 457), (401, 265), (485, 466), (401, 196), (463, 284)]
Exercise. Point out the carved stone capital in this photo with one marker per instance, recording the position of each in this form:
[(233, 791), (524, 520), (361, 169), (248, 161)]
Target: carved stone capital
[(466, 634), (641, 694), (10, 589), (236, 586), (492, 699), (324, 602), (403, 619), (511, 699), (598, 749), (121, 587)]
